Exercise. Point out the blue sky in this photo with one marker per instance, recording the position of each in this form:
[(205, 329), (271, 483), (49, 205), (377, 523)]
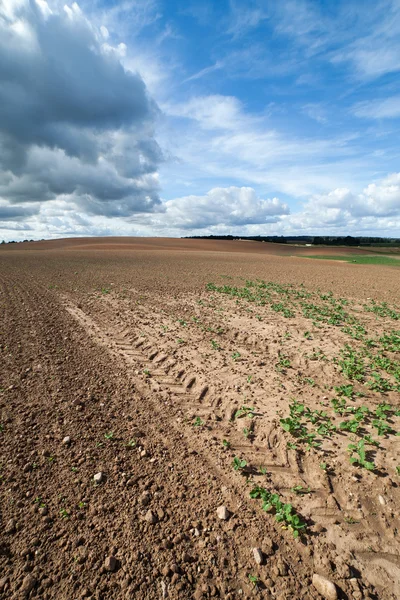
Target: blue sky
[(184, 117)]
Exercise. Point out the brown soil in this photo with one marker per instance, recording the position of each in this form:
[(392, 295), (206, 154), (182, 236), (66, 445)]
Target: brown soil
[(118, 344)]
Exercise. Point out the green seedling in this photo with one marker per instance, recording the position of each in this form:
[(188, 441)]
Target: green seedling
[(109, 436), (398, 470), (198, 422), (215, 345), (239, 464), (64, 514), (350, 520), (244, 411), (284, 513), (180, 341), (291, 446), (380, 384), (132, 443), (235, 356), (354, 424), (263, 470), (299, 489), (323, 466), (361, 460), (226, 444), (307, 335), (249, 378), (253, 580), (371, 441), (283, 364), (383, 410), (352, 363), (382, 427), (345, 390)]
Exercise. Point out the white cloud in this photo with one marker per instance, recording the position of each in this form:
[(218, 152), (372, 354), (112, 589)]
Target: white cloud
[(388, 108), (230, 206)]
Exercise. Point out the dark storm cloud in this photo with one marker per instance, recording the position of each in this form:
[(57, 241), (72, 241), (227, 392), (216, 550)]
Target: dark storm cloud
[(16, 213), (72, 120)]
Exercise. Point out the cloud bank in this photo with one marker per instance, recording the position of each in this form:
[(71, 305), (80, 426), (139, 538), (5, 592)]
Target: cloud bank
[(73, 121)]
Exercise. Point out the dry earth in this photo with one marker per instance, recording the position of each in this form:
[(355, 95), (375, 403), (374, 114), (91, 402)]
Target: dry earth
[(117, 357)]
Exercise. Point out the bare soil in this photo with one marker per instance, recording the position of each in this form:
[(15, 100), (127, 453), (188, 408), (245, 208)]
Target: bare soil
[(161, 381)]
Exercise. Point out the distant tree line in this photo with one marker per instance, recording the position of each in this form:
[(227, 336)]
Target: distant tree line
[(319, 240)]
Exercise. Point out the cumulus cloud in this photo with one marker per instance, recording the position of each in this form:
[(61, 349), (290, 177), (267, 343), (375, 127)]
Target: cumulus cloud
[(73, 120), (228, 207), (376, 200)]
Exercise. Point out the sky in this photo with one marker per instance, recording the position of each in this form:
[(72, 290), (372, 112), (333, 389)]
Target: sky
[(189, 117)]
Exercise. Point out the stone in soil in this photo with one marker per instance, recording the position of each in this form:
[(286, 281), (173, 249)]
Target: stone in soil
[(111, 563), (258, 556), (11, 526), (150, 517), (98, 478), (223, 513), (326, 588)]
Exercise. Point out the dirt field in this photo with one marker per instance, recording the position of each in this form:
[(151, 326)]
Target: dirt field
[(187, 376)]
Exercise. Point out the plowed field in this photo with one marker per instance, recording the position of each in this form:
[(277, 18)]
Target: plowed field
[(187, 376)]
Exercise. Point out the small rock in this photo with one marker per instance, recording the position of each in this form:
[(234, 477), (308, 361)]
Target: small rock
[(27, 468), (258, 556), (66, 441), (43, 510), (11, 526), (326, 588), (223, 513), (28, 584), (111, 563), (382, 500), (150, 517), (98, 478)]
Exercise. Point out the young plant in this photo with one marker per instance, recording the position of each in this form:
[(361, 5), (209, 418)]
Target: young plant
[(299, 489), (198, 422), (382, 427), (239, 464), (244, 411), (253, 580), (215, 345), (284, 513), (361, 459)]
